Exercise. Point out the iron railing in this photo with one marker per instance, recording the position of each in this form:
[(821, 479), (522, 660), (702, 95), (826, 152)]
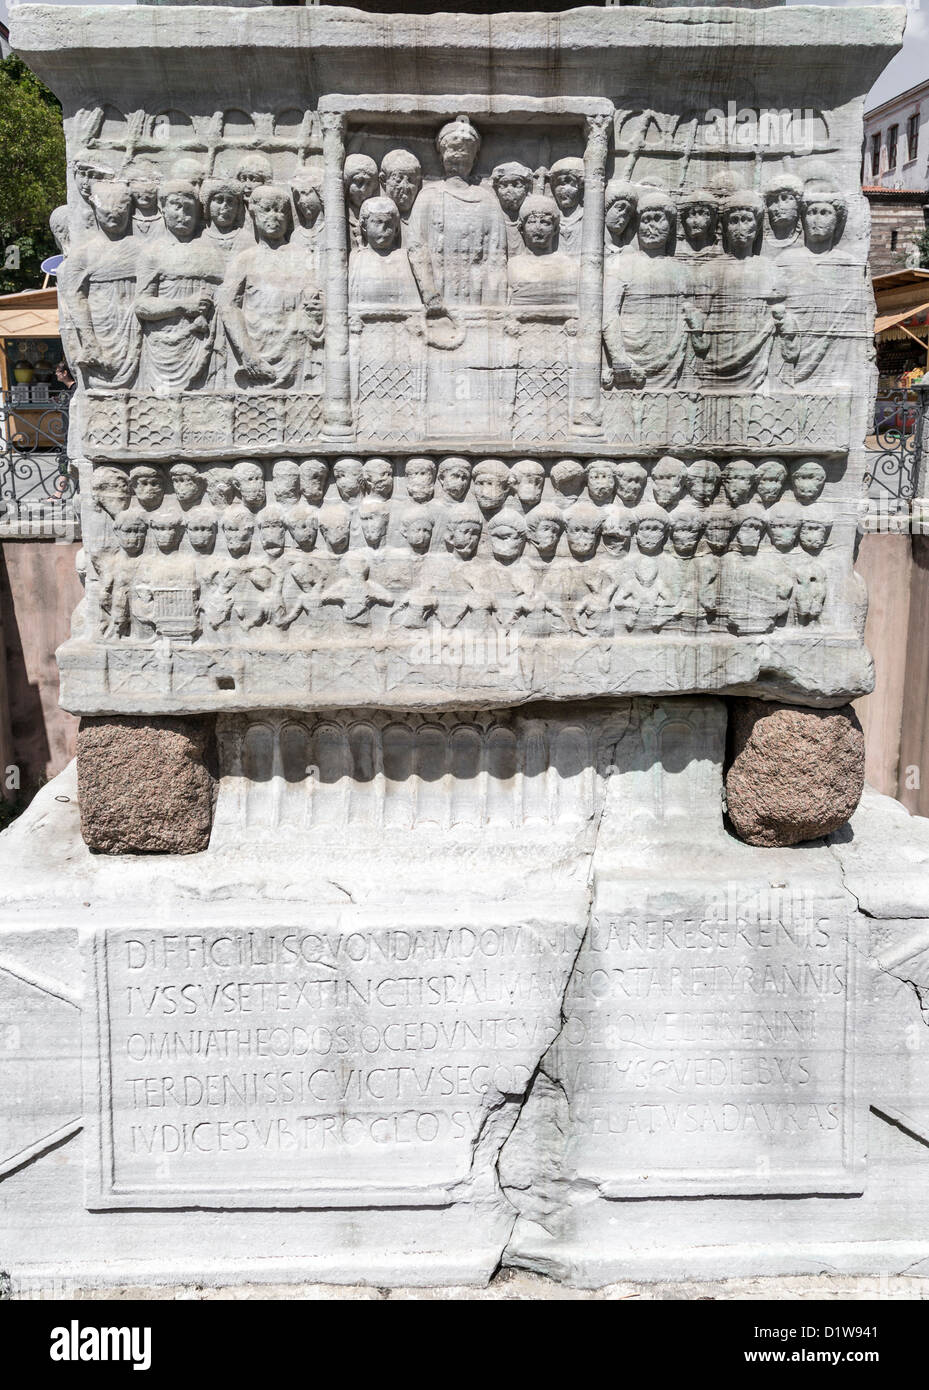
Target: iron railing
[(36, 484), (895, 447)]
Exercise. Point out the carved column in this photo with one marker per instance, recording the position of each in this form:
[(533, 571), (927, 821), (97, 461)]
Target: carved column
[(337, 418), (588, 413)]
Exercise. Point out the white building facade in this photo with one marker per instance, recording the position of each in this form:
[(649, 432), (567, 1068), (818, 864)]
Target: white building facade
[(896, 141)]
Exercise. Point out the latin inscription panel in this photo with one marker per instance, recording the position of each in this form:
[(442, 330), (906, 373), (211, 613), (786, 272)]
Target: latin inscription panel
[(313, 1065), (709, 1045)]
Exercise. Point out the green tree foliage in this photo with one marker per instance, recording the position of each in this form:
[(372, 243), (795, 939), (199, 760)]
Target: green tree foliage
[(32, 171)]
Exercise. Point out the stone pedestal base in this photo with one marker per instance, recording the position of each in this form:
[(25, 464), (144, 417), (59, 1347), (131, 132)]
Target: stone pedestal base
[(446, 993)]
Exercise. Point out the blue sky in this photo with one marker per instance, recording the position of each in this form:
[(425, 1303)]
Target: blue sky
[(909, 67)]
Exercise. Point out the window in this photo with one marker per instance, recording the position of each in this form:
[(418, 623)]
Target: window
[(875, 154), (912, 136), (892, 147), (893, 240)]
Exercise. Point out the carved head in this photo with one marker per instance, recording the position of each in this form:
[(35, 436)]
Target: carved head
[(285, 475), (617, 529), (59, 224), (130, 529), (462, 536), (401, 178), (272, 531), (669, 479), (491, 480), (455, 478), (718, 522), (738, 479), (201, 530), (539, 219), (303, 523), (631, 478), (379, 222), (544, 526), (347, 474), (808, 479), (416, 529), (743, 223), (143, 181), (270, 211), (179, 201), (110, 490), (686, 528), (814, 531), (420, 475), (377, 476), (222, 201), (148, 484), (458, 144), (335, 522), (823, 212), (622, 200), (784, 527), (238, 528), (566, 180), (188, 482), (782, 196), (750, 527), (703, 477), (314, 479), (252, 170), (699, 216), (569, 477), (582, 523), (90, 169), (656, 228), (112, 205), (250, 483), (374, 515), (507, 534), (220, 487), (167, 528), (306, 192), (651, 528), (527, 479), (512, 184), (359, 178), (770, 481), (601, 481)]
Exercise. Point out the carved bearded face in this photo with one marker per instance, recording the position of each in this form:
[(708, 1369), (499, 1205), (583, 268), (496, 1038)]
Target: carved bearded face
[(512, 191), (188, 485), (507, 541), (617, 529), (402, 186), (270, 217), (286, 477), (271, 530), (238, 529), (378, 478), (458, 152), (567, 188), (813, 536), (783, 531), (420, 479), (303, 526), (380, 227), (347, 474), (251, 484), (111, 490), (223, 209), (738, 482), (335, 526), (771, 481), (742, 229), (314, 475), (717, 532), (544, 533), (685, 534), (601, 481), (417, 531), (783, 211), (374, 526), (130, 535), (654, 229), (630, 482), (149, 487), (180, 214), (748, 535), (167, 533), (490, 486), (668, 478), (582, 532), (809, 479), (703, 481), (250, 176), (462, 538)]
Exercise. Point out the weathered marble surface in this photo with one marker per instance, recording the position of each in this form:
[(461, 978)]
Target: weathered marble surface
[(467, 347), (546, 993)]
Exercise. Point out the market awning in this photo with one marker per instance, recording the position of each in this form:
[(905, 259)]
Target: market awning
[(885, 321), (29, 314)]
